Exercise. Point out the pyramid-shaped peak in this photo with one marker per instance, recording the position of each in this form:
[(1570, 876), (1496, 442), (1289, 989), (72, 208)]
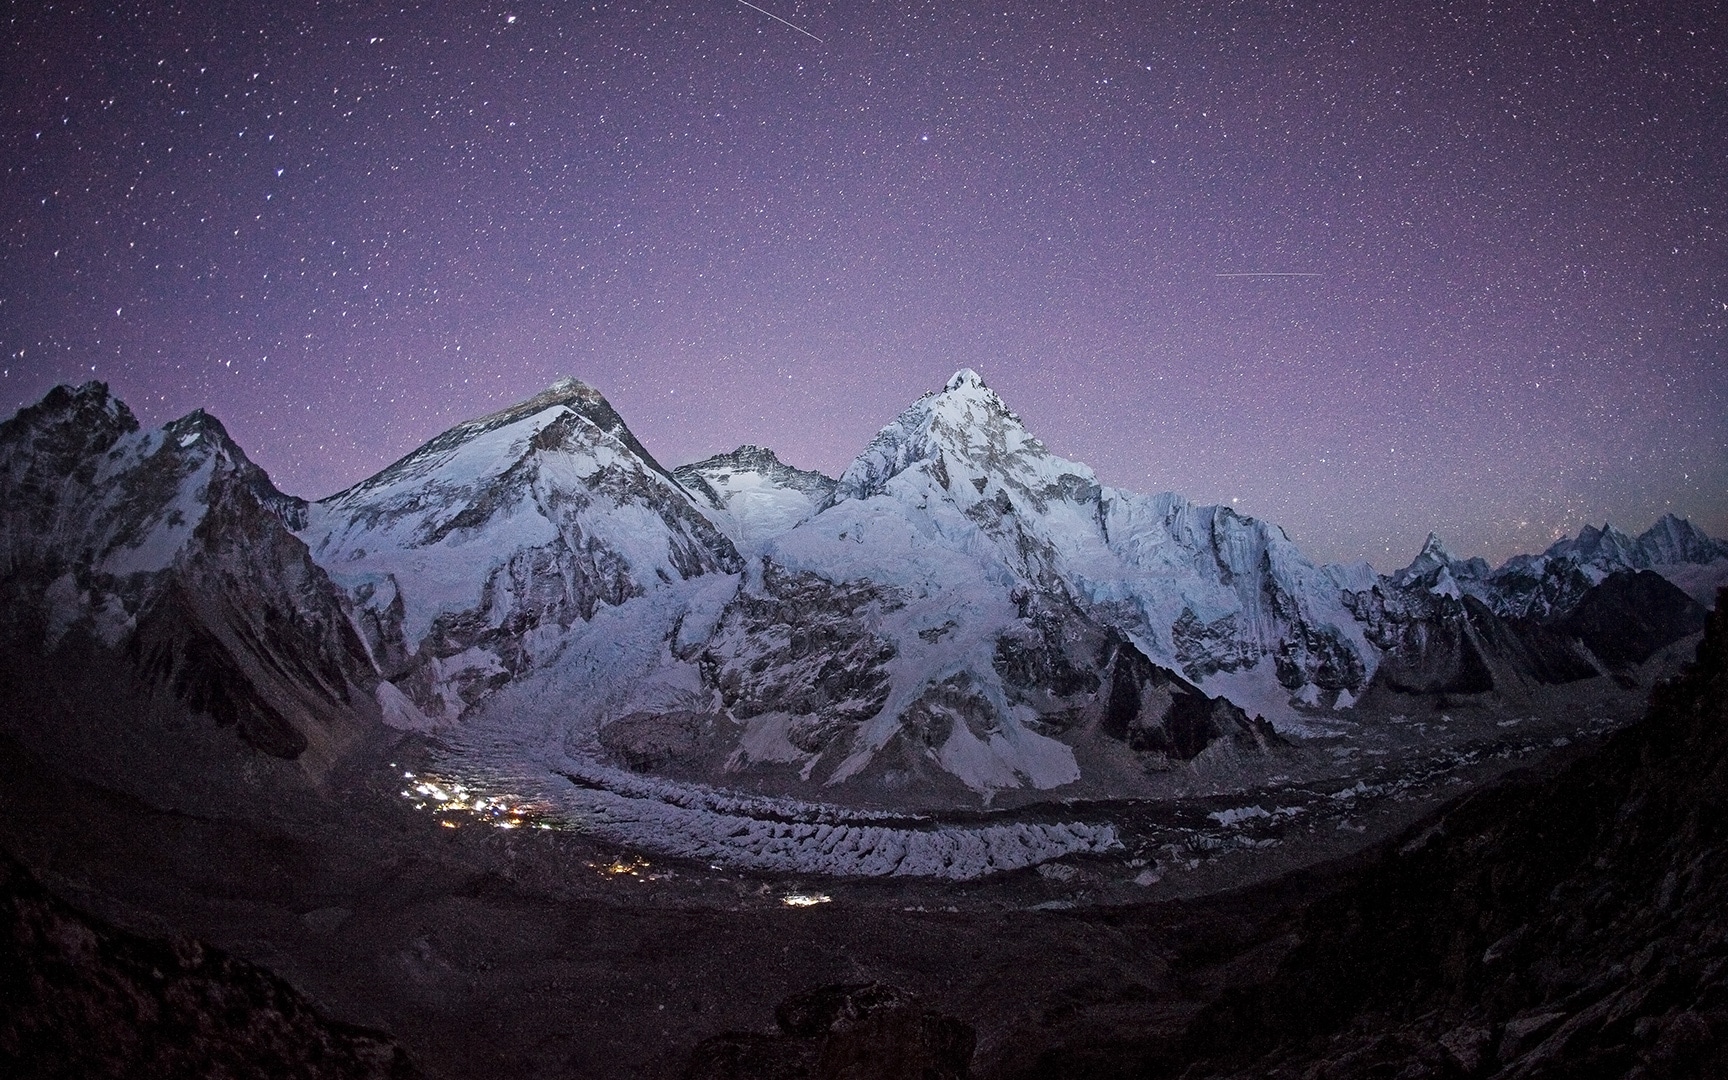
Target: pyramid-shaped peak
[(569, 391), (1674, 539), (964, 428), (553, 416), (1435, 562), (965, 379)]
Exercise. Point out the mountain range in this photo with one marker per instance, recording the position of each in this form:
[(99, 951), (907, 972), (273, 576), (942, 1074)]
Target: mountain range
[(961, 617)]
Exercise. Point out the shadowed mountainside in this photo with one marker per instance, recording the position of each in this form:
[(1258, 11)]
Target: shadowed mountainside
[(1568, 927)]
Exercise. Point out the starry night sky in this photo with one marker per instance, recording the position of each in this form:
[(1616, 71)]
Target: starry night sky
[(342, 227)]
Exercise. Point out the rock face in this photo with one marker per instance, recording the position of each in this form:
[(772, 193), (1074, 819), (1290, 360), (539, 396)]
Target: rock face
[(1630, 615), (81, 998), (173, 549), (1566, 928)]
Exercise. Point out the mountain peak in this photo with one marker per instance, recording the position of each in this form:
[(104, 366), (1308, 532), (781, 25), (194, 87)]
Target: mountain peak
[(965, 379), (964, 426), (558, 404), (1440, 568), (566, 391), (90, 409)]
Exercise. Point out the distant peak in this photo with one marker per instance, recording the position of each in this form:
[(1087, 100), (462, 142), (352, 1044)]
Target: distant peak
[(566, 391), (568, 387), (1436, 564), (965, 379), (747, 456)]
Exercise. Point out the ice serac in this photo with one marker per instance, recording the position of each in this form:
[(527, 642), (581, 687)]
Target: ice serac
[(985, 588), (171, 555), (467, 559), (753, 496)]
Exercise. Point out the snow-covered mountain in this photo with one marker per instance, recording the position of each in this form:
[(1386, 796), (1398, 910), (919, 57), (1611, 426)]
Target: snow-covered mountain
[(1590, 606), (174, 548), (469, 558), (753, 495), (984, 593), (963, 615), (1552, 583)]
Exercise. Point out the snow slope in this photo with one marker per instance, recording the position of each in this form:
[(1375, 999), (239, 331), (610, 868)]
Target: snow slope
[(469, 557), (753, 495)]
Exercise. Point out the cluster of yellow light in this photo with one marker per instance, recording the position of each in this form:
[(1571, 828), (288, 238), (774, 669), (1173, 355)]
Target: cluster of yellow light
[(450, 797), (799, 899), (633, 866)]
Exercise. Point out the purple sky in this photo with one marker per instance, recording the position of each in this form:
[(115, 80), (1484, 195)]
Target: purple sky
[(343, 227)]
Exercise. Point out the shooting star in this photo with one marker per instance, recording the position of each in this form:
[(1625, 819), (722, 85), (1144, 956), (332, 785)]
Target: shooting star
[(1266, 274), (778, 19)]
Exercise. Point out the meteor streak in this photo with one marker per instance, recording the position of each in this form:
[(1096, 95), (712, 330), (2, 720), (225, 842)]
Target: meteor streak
[(778, 19), (1266, 274)]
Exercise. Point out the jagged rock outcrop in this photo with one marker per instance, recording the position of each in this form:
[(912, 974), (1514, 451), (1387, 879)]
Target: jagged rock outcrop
[(857, 1031), (1156, 711)]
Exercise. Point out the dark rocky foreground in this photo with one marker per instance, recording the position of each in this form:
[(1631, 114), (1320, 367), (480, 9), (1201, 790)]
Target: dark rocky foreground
[(1574, 926), (1567, 921), (80, 998)]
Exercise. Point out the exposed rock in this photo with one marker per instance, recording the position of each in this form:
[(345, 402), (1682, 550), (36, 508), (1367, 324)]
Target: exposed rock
[(816, 1012), (655, 740), (176, 550), (1154, 710), (804, 646)]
